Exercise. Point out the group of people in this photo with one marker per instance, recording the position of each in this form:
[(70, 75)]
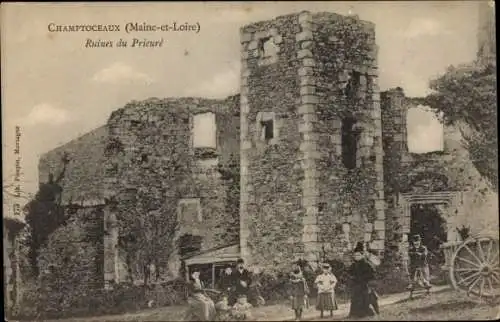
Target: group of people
[(364, 300), (235, 285), (233, 304)]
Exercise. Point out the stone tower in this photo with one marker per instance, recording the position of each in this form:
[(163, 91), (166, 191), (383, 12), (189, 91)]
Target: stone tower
[(311, 148)]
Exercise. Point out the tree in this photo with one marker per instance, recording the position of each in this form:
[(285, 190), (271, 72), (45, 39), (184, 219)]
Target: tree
[(466, 97), (45, 214), (147, 235)]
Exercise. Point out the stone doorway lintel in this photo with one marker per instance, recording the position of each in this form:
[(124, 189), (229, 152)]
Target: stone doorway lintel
[(451, 199)]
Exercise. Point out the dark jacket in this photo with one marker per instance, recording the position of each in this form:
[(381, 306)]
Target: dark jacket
[(226, 281), (361, 272), (238, 277), (418, 256)]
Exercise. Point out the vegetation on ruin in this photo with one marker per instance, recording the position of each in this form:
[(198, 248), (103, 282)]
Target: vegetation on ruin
[(70, 263), (44, 215), (146, 204), (466, 96)]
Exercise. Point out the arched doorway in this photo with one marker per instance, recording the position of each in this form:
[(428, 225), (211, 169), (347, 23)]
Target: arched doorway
[(426, 220)]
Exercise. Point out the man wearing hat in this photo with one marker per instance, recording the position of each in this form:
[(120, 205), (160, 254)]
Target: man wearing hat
[(419, 265), (226, 283), (241, 279)]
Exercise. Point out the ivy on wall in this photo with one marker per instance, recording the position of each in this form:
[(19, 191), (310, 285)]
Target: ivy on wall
[(467, 95), (151, 163)]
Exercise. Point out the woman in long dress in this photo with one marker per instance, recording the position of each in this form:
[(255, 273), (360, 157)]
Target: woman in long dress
[(200, 306), (361, 273)]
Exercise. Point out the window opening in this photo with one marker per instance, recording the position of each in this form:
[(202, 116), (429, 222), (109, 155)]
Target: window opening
[(268, 129), (350, 137), (204, 131), (189, 211), (267, 47), (267, 126), (353, 84), (188, 244), (424, 131)]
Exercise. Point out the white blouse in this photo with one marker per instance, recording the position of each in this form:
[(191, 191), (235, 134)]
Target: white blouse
[(326, 283)]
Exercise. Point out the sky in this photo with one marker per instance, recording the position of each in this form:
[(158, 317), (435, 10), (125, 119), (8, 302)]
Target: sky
[(55, 90)]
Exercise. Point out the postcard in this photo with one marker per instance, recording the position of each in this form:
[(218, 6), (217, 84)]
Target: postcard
[(252, 161)]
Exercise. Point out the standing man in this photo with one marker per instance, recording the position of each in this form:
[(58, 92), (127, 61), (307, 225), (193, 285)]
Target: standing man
[(227, 279), (419, 264), (241, 279), (227, 283)]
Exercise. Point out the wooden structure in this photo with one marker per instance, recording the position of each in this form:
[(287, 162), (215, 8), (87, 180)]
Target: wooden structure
[(212, 260), (474, 266)]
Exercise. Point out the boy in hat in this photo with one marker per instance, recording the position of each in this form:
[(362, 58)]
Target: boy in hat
[(241, 279), (419, 265)]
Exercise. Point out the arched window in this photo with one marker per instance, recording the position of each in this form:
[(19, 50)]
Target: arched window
[(350, 137)]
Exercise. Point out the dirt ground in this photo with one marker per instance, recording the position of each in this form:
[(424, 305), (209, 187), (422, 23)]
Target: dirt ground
[(444, 306), (448, 305)]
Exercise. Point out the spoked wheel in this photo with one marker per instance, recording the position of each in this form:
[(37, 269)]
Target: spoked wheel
[(475, 268)]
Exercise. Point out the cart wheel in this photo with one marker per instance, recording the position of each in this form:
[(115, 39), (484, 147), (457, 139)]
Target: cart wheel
[(475, 268)]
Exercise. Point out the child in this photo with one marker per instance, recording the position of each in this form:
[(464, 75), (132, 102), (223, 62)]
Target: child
[(242, 309), (298, 291), (326, 282), (419, 265), (223, 309)]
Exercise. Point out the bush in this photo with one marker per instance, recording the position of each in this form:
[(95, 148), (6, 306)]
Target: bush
[(69, 268), (273, 285), (390, 279), (166, 294), (123, 298)]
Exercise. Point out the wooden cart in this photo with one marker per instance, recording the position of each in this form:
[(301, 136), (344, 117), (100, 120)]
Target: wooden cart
[(473, 266)]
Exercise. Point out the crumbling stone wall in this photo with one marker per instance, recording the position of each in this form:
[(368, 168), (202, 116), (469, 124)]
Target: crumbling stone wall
[(450, 170), (71, 264), (296, 197), (393, 129), (83, 179), (151, 161), (271, 172), (82, 195), (351, 205), (407, 172)]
